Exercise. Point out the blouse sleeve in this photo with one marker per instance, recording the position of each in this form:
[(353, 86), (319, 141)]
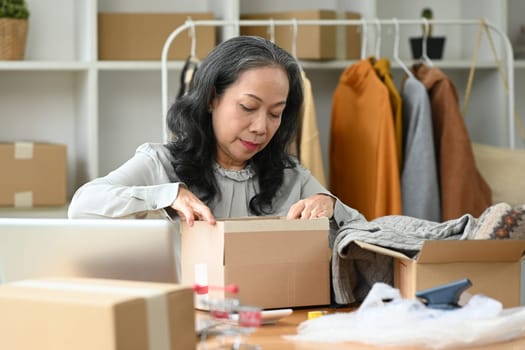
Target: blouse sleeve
[(139, 186)]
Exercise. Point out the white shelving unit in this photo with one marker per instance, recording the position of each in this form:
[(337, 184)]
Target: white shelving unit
[(102, 110)]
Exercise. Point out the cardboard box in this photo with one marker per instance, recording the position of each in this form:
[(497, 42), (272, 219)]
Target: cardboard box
[(276, 263), (141, 36), (493, 266), (314, 42), (33, 174), (87, 314)]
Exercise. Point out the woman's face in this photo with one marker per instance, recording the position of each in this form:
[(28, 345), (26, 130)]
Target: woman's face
[(248, 114)]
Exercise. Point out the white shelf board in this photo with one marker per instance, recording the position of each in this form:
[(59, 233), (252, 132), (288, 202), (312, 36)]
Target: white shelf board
[(136, 65), (177, 65), (43, 66), (81, 66), (40, 212)]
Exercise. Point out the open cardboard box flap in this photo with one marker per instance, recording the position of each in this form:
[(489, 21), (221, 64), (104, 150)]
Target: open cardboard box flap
[(252, 239), (448, 251), (246, 238)]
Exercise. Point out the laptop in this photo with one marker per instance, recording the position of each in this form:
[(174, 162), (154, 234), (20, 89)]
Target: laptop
[(139, 250)]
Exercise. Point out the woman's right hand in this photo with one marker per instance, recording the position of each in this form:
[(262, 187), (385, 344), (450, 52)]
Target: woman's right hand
[(191, 208)]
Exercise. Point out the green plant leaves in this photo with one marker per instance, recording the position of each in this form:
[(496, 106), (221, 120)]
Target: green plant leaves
[(14, 9)]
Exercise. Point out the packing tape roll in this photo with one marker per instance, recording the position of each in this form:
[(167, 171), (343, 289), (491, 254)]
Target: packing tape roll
[(24, 150), (156, 305), (23, 199), (316, 314)]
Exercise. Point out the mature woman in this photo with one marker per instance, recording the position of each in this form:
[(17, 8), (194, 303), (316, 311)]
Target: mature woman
[(228, 155)]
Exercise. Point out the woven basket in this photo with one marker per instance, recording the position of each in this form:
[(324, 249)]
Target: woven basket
[(13, 34)]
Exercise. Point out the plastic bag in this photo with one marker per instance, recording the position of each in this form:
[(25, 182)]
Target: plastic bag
[(406, 322)]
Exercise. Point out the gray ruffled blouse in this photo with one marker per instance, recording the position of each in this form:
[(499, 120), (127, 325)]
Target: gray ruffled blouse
[(147, 183)]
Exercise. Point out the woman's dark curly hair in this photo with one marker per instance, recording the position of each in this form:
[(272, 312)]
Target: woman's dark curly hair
[(193, 145)]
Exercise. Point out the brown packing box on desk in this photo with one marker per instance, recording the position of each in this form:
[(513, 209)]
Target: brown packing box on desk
[(493, 267), (87, 314), (276, 263), (33, 174), (314, 42), (141, 36)]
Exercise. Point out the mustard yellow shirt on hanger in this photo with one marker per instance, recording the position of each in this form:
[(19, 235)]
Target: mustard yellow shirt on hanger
[(310, 153), (382, 68)]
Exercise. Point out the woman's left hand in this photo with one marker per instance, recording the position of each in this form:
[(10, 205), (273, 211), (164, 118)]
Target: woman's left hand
[(316, 206)]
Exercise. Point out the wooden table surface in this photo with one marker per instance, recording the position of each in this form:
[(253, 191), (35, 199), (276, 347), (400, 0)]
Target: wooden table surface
[(271, 337)]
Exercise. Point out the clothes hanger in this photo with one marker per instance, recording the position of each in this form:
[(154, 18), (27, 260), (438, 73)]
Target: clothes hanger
[(271, 30), (294, 41), (378, 39), (193, 38), (396, 49), (426, 60), (294, 38), (192, 62), (364, 38)]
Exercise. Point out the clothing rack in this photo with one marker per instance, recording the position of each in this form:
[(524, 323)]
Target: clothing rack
[(234, 26)]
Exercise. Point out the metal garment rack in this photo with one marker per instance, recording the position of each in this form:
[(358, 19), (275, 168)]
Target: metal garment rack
[(293, 23)]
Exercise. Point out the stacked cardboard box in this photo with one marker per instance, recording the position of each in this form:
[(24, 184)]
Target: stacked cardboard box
[(33, 174), (313, 42), (141, 36)]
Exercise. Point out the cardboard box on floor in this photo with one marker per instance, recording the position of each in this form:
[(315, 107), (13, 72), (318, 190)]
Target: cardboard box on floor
[(276, 263), (87, 314), (493, 267), (141, 36), (33, 174)]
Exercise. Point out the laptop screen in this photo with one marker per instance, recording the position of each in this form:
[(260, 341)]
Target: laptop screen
[(141, 250)]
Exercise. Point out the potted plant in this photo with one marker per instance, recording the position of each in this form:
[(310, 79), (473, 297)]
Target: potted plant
[(435, 45), (14, 16)]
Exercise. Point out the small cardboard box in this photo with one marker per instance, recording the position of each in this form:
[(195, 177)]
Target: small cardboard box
[(33, 174), (141, 36), (275, 262), (493, 267), (87, 314), (314, 42)]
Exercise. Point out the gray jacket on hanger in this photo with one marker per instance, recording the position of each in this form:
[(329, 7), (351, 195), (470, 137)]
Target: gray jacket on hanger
[(419, 176)]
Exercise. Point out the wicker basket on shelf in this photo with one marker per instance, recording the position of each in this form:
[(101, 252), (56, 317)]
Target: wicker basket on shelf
[(13, 35)]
